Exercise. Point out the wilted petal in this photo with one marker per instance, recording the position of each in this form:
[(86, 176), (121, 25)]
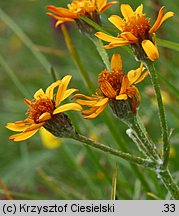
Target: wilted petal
[(125, 85), (107, 89)]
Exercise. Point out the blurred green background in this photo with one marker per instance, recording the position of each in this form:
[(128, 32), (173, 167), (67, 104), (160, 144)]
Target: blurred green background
[(29, 46)]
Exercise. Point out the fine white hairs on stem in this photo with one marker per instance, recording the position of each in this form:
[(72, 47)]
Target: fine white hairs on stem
[(130, 133)]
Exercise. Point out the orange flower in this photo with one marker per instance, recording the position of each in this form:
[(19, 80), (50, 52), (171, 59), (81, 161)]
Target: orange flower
[(89, 8), (135, 28), (113, 86), (42, 108)]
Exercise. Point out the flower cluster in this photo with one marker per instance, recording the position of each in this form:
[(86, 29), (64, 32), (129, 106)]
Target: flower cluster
[(114, 87)]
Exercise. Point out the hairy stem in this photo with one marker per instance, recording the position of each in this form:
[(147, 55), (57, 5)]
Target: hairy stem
[(137, 160), (169, 183), (164, 129)]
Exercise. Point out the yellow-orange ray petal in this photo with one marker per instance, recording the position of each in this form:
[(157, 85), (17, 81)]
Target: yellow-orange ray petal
[(131, 91), (138, 96), (34, 127), (16, 127), (66, 107), (96, 113), (86, 102), (150, 50), (50, 89), (68, 93), (22, 136), (44, 117), (142, 77), (100, 4), (61, 89), (39, 94), (116, 63), (157, 24), (128, 36), (63, 12), (117, 21), (108, 38), (113, 45), (107, 89), (85, 96), (125, 84), (139, 9), (101, 102), (121, 97), (133, 75), (106, 6), (126, 11), (63, 20), (89, 111), (48, 139)]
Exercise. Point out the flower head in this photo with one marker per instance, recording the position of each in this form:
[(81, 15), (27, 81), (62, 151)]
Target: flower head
[(114, 87), (45, 106), (88, 8), (135, 30)]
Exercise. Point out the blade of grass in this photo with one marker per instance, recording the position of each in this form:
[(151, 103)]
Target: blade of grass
[(114, 182), (24, 196), (168, 44), (14, 78), (93, 188), (171, 87), (26, 40), (52, 185)]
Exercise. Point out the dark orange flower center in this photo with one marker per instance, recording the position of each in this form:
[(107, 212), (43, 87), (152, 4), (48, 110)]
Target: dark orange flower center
[(114, 78), (38, 107), (138, 25)]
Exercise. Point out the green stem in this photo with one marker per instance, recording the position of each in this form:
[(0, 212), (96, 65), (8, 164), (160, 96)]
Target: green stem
[(145, 142), (164, 129), (93, 24), (137, 160), (169, 183)]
